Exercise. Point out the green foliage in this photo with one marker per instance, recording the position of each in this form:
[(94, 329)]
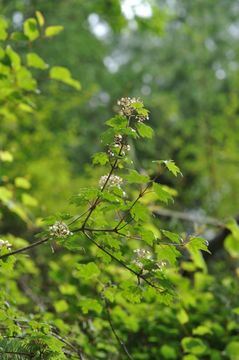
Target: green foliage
[(62, 74), (34, 60), (107, 269), (53, 30)]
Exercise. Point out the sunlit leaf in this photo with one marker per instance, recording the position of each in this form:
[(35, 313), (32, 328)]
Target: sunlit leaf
[(40, 18), (64, 75), (34, 60), (53, 30), (30, 29)]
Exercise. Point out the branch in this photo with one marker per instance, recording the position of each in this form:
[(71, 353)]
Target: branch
[(141, 194), (37, 243), (121, 343), (95, 203), (139, 275)]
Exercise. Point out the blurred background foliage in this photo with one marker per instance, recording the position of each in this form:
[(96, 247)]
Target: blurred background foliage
[(181, 58), (176, 56)]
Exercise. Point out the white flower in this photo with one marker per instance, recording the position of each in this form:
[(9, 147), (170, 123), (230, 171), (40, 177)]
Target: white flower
[(118, 140), (5, 243), (129, 108), (59, 230), (141, 254), (114, 180)]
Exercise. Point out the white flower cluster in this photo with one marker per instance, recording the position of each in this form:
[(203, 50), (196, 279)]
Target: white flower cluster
[(114, 180), (59, 230), (128, 109), (118, 140), (118, 143), (5, 243), (141, 254)]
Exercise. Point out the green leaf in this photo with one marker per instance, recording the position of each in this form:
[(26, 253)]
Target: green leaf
[(14, 58), (90, 304), (100, 158), (62, 74), (131, 292), (182, 316), (5, 194), (197, 243), (144, 130), (25, 79), (135, 178), (140, 212), (194, 345), (53, 30), (29, 200), (85, 195), (3, 27), (30, 29), (172, 236), (40, 18), (234, 228), (110, 293), (172, 167), (22, 183), (167, 253), (2, 53), (168, 352), (68, 289), (34, 60), (18, 36), (6, 156), (232, 350), (25, 107), (231, 244), (118, 122), (147, 235), (87, 271), (61, 306), (190, 357), (163, 195), (202, 330), (73, 242)]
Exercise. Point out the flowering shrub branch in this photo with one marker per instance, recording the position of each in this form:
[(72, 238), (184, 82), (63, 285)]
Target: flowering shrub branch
[(129, 123)]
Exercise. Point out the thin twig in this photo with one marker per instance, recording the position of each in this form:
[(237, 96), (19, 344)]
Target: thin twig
[(121, 343), (141, 194), (72, 347), (78, 217)]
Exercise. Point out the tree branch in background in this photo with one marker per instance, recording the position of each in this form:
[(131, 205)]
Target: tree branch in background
[(189, 217)]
